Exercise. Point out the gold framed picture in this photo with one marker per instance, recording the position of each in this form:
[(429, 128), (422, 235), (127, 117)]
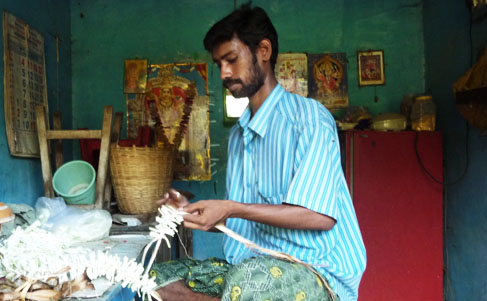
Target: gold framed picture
[(328, 79), (173, 91), (370, 65), (135, 76)]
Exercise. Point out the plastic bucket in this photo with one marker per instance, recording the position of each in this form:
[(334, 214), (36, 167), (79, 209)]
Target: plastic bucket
[(75, 182)]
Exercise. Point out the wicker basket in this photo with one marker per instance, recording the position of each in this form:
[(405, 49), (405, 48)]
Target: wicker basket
[(140, 176)]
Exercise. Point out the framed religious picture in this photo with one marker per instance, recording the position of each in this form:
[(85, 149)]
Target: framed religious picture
[(292, 72), (176, 94), (135, 76), (370, 65), (328, 80)]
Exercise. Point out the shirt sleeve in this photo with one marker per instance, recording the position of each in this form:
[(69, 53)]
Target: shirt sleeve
[(317, 170)]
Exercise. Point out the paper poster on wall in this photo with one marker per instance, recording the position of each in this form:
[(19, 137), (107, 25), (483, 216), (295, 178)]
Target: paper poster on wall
[(327, 80), (167, 91), (24, 84), (292, 72)]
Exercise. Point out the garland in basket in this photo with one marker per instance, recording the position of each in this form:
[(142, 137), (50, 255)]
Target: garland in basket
[(183, 123)]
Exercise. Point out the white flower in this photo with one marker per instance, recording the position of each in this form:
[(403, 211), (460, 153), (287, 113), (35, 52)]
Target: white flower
[(35, 253)]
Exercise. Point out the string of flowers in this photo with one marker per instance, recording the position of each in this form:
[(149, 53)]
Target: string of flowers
[(34, 253), (183, 123), (167, 223)]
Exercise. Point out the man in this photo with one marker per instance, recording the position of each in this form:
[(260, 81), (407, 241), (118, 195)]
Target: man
[(285, 186)]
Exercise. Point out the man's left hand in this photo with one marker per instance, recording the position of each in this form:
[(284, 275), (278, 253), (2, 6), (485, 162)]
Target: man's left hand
[(206, 214)]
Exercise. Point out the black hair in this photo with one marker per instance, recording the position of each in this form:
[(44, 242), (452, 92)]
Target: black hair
[(250, 25)]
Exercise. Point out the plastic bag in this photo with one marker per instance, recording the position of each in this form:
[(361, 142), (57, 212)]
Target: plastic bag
[(79, 225), (46, 207), (73, 224)]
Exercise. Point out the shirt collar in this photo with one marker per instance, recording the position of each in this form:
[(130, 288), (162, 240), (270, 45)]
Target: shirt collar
[(259, 122)]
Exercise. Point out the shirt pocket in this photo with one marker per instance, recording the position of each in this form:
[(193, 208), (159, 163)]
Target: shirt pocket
[(271, 200)]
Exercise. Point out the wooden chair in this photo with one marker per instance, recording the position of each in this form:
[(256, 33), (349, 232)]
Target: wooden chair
[(103, 184)]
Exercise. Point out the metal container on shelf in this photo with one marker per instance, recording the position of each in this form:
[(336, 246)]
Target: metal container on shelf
[(423, 114), (389, 122)]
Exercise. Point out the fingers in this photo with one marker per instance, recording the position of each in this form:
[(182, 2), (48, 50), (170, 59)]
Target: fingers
[(192, 226), (173, 198), (204, 215), (196, 222), (165, 199), (176, 195), (195, 207)]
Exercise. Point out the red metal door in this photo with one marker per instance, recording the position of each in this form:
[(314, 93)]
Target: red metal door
[(400, 212)]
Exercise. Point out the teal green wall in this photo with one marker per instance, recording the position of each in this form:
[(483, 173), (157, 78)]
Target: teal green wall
[(427, 46), (21, 178), (451, 49), (104, 33)]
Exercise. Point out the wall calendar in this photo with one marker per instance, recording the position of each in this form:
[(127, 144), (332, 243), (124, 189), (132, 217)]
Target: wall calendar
[(24, 84)]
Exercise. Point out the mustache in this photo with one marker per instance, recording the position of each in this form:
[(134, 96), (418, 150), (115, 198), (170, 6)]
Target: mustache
[(230, 81)]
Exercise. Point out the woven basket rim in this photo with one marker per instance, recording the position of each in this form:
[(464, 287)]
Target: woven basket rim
[(140, 176)]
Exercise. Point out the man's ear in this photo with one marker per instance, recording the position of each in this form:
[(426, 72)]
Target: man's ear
[(265, 50)]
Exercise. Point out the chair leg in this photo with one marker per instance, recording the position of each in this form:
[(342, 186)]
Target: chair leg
[(44, 151), (115, 137), (103, 160), (58, 144)]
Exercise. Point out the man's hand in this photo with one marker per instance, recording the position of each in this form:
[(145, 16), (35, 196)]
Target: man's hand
[(205, 214), (208, 213), (173, 198)]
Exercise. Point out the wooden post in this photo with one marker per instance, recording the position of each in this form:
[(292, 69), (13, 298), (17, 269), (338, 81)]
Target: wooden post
[(104, 156), (58, 144), (114, 139), (44, 151)]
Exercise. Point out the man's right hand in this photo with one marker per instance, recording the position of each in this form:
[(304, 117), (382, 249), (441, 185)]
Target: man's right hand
[(173, 198)]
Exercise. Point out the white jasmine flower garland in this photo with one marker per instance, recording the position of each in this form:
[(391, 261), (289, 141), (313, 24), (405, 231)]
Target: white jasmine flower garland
[(166, 225), (37, 254)]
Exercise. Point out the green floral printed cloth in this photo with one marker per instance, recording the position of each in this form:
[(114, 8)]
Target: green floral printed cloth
[(257, 278)]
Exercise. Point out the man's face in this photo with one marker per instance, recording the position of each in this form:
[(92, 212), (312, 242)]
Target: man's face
[(239, 68)]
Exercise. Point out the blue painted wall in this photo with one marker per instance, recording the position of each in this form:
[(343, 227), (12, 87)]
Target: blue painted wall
[(104, 33), (21, 178), (451, 49)]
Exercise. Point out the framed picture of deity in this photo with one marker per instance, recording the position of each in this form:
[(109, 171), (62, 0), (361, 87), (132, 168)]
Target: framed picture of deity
[(135, 76), (370, 65), (328, 79), (176, 96)]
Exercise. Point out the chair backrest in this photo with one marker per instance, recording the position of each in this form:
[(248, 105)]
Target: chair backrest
[(44, 135)]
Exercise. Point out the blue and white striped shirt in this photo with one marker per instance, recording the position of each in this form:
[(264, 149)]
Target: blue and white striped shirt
[(289, 153)]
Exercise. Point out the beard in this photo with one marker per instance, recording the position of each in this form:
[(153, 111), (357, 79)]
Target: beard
[(256, 81)]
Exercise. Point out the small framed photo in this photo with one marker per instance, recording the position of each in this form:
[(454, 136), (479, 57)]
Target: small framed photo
[(370, 65), (135, 76)]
